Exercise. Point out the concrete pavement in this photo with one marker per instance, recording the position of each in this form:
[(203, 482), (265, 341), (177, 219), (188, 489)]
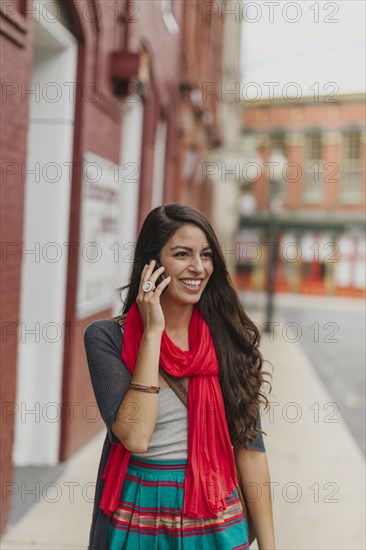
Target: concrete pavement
[(317, 471), (62, 518)]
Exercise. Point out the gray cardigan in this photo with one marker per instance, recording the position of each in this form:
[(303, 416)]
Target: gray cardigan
[(110, 379)]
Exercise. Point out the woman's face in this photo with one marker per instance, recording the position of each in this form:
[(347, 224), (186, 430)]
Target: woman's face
[(187, 256)]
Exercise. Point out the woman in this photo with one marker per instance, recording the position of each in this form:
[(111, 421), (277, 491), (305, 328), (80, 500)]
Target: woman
[(167, 473)]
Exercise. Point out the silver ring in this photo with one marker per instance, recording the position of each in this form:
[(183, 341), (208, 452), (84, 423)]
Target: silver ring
[(148, 286)]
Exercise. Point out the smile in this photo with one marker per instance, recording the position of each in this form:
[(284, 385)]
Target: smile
[(191, 285)]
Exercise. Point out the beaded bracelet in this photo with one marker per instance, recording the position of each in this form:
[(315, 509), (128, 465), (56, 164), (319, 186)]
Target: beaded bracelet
[(140, 384), (144, 387)]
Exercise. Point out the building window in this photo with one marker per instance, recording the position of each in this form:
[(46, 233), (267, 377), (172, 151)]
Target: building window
[(351, 175), (278, 141), (278, 161), (313, 168)]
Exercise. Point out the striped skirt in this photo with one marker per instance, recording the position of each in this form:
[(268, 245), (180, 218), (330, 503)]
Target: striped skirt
[(149, 516)]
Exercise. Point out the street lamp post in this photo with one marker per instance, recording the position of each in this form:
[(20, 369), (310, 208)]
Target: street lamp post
[(276, 163), (272, 249)]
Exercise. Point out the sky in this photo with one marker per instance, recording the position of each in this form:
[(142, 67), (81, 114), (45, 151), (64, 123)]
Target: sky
[(319, 45)]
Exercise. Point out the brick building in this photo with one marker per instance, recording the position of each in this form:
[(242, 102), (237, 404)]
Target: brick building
[(305, 192), (202, 45), (95, 102)]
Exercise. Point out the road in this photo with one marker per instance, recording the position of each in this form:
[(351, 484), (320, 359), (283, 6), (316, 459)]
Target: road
[(332, 332)]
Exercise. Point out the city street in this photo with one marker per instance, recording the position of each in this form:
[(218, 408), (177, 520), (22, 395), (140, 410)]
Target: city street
[(317, 469), (130, 130), (335, 343), (331, 332)]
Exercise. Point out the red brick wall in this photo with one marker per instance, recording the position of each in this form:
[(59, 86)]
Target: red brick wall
[(201, 65), (263, 116), (81, 419), (98, 130), (15, 62), (172, 151), (149, 33)]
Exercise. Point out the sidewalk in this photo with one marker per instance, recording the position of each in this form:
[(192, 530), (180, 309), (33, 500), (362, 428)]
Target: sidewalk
[(62, 518), (317, 471)]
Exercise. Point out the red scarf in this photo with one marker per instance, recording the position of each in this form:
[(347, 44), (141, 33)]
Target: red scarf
[(210, 473)]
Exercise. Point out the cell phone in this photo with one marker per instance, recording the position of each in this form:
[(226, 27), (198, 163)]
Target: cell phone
[(162, 276)]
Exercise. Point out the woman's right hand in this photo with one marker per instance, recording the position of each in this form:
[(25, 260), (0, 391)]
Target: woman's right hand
[(149, 302)]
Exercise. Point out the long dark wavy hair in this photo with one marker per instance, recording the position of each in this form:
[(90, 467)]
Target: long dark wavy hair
[(235, 336)]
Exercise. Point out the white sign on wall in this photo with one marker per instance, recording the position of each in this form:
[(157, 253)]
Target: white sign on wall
[(98, 235)]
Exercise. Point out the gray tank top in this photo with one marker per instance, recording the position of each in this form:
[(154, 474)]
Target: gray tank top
[(169, 440)]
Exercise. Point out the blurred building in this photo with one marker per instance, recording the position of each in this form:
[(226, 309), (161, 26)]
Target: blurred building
[(199, 132), (306, 194), (102, 120), (232, 152)]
